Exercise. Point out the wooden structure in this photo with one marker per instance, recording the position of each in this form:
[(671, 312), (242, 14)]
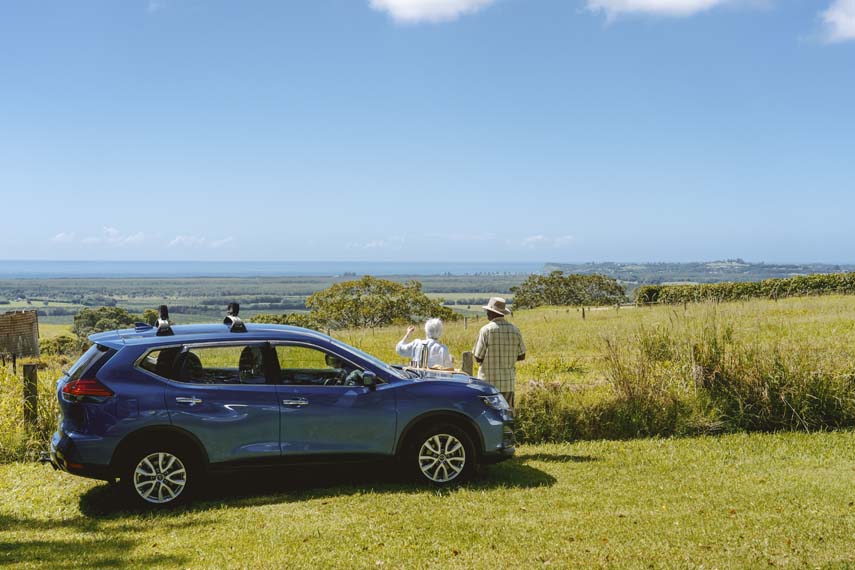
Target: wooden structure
[(468, 364), (31, 397), (19, 333)]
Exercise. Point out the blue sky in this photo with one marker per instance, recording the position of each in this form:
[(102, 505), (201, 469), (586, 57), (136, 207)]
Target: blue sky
[(428, 130)]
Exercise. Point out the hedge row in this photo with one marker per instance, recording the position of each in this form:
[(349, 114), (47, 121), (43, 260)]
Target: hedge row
[(798, 286)]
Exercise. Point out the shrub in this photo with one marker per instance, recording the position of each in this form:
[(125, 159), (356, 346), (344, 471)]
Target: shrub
[(798, 286), (372, 302), (89, 321), (63, 345), (567, 290)]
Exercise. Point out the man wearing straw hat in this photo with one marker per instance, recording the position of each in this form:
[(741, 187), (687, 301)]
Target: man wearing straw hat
[(500, 345)]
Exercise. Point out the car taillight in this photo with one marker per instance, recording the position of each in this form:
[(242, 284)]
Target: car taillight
[(86, 387)]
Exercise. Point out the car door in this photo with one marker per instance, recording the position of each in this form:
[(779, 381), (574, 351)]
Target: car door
[(222, 394), (326, 410)]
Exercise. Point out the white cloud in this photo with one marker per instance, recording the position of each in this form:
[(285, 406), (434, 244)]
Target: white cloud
[(187, 241), (194, 241), (412, 11), (64, 237), (615, 8), (533, 241), (839, 20), (109, 236), (394, 242), (221, 242), (470, 237), (133, 239), (561, 241), (541, 240)]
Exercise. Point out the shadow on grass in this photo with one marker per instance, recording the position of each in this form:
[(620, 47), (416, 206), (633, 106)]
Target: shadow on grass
[(93, 545), (284, 485), (558, 458)]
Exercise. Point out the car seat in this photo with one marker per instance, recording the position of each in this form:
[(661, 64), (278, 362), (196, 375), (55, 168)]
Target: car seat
[(192, 370), (251, 365)]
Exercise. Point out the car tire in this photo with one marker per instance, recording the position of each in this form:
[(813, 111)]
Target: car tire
[(441, 455), (160, 475)]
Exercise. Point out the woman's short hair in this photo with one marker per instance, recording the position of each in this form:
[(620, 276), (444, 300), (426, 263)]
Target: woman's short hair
[(433, 328)]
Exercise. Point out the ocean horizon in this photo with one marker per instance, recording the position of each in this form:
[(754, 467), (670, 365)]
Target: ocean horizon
[(38, 269)]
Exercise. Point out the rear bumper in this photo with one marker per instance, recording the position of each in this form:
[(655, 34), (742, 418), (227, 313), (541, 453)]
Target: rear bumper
[(63, 456)]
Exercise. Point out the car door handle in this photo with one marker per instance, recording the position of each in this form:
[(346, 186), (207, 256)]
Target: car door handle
[(296, 402), (189, 401)]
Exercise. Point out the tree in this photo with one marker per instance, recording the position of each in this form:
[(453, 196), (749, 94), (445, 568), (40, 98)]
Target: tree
[(573, 290), (90, 321), (150, 317), (372, 302), (305, 320)]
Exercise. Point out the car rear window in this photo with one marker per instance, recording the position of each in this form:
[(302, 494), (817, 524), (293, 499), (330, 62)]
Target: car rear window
[(91, 361)]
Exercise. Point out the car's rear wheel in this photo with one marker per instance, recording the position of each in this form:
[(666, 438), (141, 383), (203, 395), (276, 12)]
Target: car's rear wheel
[(442, 455), (160, 475)]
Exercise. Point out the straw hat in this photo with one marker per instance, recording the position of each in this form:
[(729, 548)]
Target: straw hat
[(497, 305)]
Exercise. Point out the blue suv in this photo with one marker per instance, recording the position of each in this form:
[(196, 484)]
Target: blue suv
[(158, 407)]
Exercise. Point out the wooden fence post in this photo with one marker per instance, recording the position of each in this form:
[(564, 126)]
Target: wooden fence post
[(14, 364), (465, 322), (31, 396), (583, 313), (467, 364)]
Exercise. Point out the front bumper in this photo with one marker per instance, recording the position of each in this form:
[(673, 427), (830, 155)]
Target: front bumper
[(498, 456), (506, 449)]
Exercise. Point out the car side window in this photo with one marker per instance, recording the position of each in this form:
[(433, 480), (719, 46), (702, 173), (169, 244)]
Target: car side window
[(237, 364), (162, 362), (307, 366)]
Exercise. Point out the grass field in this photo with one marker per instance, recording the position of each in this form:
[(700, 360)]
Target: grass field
[(51, 330), (784, 500), (799, 349), (564, 347), (738, 501)]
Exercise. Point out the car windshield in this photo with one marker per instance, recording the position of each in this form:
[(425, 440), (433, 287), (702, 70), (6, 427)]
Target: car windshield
[(372, 359)]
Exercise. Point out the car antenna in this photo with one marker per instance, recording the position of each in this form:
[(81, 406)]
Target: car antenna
[(162, 324), (232, 319)]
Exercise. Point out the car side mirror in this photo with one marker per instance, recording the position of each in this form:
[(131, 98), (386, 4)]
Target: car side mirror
[(369, 380)]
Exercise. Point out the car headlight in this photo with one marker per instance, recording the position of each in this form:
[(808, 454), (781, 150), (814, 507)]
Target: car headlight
[(496, 401)]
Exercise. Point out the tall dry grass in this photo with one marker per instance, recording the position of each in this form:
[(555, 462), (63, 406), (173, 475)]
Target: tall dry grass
[(18, 441), (699, 373)]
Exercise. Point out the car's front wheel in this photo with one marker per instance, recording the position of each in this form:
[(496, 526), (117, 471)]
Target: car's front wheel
[(160, 475), (441, 455)]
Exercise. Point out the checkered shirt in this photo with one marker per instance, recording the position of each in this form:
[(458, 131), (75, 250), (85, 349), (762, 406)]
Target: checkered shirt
[(499, 345)]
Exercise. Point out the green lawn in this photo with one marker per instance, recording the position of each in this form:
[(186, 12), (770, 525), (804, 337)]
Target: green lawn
[(739, 501)]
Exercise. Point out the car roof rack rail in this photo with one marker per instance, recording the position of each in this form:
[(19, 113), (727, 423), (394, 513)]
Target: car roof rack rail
[(162, 324), (235, 323)]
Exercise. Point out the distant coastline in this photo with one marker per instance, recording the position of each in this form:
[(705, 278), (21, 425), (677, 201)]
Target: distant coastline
[(34, 269)]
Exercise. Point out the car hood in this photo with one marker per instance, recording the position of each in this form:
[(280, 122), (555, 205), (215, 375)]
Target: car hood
[(438, 375)]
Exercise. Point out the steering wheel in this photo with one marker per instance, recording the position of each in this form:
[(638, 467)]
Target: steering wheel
[(354, 378), (336, 380)]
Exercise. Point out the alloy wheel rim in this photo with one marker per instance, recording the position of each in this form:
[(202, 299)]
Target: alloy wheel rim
[(160, 477), (442, 458)]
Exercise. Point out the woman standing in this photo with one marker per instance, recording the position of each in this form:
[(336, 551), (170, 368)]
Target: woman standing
[(429, 353)]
